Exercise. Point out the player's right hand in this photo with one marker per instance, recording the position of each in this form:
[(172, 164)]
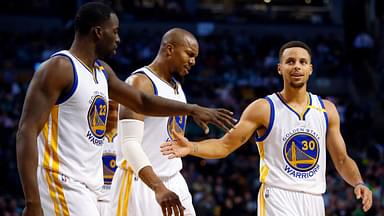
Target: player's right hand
[(32, 210), (179, 147), (363, 192), (169, 202), (222, 118)]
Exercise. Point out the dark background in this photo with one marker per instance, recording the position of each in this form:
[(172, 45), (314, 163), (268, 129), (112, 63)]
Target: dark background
[(239, 42)]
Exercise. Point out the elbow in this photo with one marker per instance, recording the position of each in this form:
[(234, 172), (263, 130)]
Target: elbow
[(19, 134), (340, 162), (226, 152), (142, 104), (25, 133)]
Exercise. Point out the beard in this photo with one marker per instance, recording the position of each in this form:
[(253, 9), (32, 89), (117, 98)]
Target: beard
[(296, 85)]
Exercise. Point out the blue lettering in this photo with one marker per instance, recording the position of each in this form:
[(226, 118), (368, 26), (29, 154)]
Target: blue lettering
[(94, 140), (302, 175), (298, 175)]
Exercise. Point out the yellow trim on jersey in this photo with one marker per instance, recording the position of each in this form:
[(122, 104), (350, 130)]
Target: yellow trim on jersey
[(55, 164), (48, 178), (52, 192), (51, 163), (122, 187), (306, 108), (261, 150), (110, 135), (262, 209), (263, 173), (301, 115), (125, 192), (318, 108), (128, 192), (47, 153), (54, 138), (46, 164), (124, 165), (61, 195), (92, 70)]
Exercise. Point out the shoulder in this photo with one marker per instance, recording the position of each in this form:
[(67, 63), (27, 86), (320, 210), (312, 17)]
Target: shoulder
[(57, 63), (331, 110), (57, 69), (258, 109), (257, 113), (53, 77), (140, 81), (260, 105), (137, 78), (329, 106)]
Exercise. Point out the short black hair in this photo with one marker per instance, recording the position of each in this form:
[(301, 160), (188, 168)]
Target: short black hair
[(291, 44), (91, 14)]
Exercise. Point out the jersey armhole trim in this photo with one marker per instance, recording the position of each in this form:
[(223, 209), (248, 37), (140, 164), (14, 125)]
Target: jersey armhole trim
[(103, 69), (325, 113), (153, 84), (64, 97), (271, 121)]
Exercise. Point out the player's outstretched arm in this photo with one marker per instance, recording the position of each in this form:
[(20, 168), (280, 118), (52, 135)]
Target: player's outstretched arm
[(53, 77), (345, 165), (255, 116), (158, 106)]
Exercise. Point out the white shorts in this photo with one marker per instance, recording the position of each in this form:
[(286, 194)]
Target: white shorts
[(103, 201), (104, 208), (274, 201), (61, 195), (131, 196)]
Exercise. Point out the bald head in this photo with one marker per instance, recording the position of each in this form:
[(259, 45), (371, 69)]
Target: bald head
[(178, 36), (178, 52)]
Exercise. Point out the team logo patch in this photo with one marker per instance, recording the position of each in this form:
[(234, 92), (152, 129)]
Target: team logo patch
[(176, 122), (301, 151), (109, 167), (97, 116)]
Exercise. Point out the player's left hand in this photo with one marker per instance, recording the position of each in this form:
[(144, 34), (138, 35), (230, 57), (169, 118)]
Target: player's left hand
[(219, 117), (363, 192), (169, 201)]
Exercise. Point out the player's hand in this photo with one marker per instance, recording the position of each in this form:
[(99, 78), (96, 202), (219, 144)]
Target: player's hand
[(169, 202), (219, 117), (363, 192), (179, 147), (32, 210)]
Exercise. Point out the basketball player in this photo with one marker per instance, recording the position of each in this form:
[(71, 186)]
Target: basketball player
[(293, 127), (109, 159), (152, 172), (62, 126)]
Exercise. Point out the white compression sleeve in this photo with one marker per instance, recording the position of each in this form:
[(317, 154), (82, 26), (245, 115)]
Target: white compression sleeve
[(131, 135)]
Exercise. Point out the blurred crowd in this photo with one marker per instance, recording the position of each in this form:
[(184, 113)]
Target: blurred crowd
[(231, 72)]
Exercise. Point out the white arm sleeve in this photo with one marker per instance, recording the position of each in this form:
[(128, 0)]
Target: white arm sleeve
[(131, 135)]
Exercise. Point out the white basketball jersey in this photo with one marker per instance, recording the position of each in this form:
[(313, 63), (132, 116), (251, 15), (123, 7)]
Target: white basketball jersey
[(292, 150), (71, 140), (158, 130)]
